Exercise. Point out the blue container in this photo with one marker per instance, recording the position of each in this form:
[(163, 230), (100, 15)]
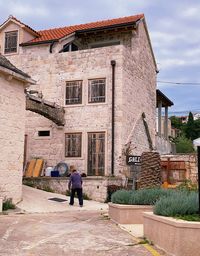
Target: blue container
[(55, 174)]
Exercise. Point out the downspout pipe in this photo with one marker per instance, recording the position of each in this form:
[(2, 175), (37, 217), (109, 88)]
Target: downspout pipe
[(51, 47), (113, 64)]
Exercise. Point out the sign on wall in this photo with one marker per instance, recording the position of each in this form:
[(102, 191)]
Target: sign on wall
[(133, 160)]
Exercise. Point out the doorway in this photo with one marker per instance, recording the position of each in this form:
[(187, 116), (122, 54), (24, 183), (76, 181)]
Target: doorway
[(96, 154)]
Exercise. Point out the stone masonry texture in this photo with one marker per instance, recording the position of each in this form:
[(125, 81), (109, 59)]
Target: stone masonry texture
[(12, 130), (135, 93)]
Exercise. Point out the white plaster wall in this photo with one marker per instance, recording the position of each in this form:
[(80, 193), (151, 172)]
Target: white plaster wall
[(12, 128)]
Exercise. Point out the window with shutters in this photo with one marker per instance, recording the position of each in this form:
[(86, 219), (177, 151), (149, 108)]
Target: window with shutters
[(11, 42), (97, 90), (73, 92), (73, 144)]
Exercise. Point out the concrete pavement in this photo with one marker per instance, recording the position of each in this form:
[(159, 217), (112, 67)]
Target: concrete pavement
[(37, 201), (42, 227), (71, 233)]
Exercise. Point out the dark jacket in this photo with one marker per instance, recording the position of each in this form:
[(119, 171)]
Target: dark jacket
[(75, 181)]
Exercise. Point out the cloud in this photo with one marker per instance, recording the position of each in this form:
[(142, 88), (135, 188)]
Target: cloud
[(191, 12), (25, 10), (174, 28)]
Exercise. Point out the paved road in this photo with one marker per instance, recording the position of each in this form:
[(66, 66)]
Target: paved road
[(86, 233)]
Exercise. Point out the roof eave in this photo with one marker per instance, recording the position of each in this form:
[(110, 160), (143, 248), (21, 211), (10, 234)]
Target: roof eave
[(40, 42), (154, 59), (166, 99), (17, 76), (89, 30), (27, 28)]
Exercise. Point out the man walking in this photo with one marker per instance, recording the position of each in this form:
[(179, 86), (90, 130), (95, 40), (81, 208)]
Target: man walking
[(75, 185)]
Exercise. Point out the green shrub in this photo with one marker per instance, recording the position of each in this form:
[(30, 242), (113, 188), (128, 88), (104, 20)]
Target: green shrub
[(180, 203), (121, 196), (187, 185), (184, 145), (149, 196), (29, 183), (110, 190), (140, 197), (86, 197), (46, 188), (7, 204)]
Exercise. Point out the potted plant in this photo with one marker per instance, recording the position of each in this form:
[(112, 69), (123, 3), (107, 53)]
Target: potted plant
[(174, 225), (127, 206)]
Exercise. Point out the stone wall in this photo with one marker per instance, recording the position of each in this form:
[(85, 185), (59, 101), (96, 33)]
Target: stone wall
[(139, 95), (94, 187), (191, 164), (12, 129), (163, 146)]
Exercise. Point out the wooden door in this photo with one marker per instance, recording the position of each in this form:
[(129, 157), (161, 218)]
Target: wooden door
[(96, 154)]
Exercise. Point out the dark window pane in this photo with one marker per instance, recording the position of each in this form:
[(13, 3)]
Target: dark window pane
[(43, 133)]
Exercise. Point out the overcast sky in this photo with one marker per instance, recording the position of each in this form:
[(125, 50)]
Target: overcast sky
[(174, 28)]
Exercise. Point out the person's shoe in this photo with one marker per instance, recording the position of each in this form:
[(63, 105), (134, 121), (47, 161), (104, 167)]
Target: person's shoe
[(70, 204), (81, 205)]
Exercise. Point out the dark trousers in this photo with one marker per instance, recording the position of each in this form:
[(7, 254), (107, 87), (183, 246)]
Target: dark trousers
[(79, 192)]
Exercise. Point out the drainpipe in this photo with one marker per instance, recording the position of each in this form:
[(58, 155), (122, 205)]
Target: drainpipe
[(51, 47), (113, 64)]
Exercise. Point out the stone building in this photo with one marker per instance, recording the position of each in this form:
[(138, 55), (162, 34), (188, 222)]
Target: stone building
[(104, 75), (12, 128)]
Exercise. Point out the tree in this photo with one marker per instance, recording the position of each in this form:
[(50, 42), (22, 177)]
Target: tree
[(176, 122), (184, 145), (190, 128)]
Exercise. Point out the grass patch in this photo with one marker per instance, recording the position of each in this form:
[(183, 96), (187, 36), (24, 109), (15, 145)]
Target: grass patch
[(85, 196), (191, 217), (7, 205), (47, 189), (29, 183)]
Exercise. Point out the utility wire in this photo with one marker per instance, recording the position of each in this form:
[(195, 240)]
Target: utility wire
[(168, 82)]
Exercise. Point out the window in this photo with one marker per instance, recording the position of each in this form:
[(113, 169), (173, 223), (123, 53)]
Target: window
[(96, 153), (69, 47), (10, 42), (96, 90), (73, 144), (73, 92), (44, 133)]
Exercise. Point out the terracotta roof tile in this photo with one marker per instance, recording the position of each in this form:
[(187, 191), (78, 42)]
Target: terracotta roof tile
[(57, 33)]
